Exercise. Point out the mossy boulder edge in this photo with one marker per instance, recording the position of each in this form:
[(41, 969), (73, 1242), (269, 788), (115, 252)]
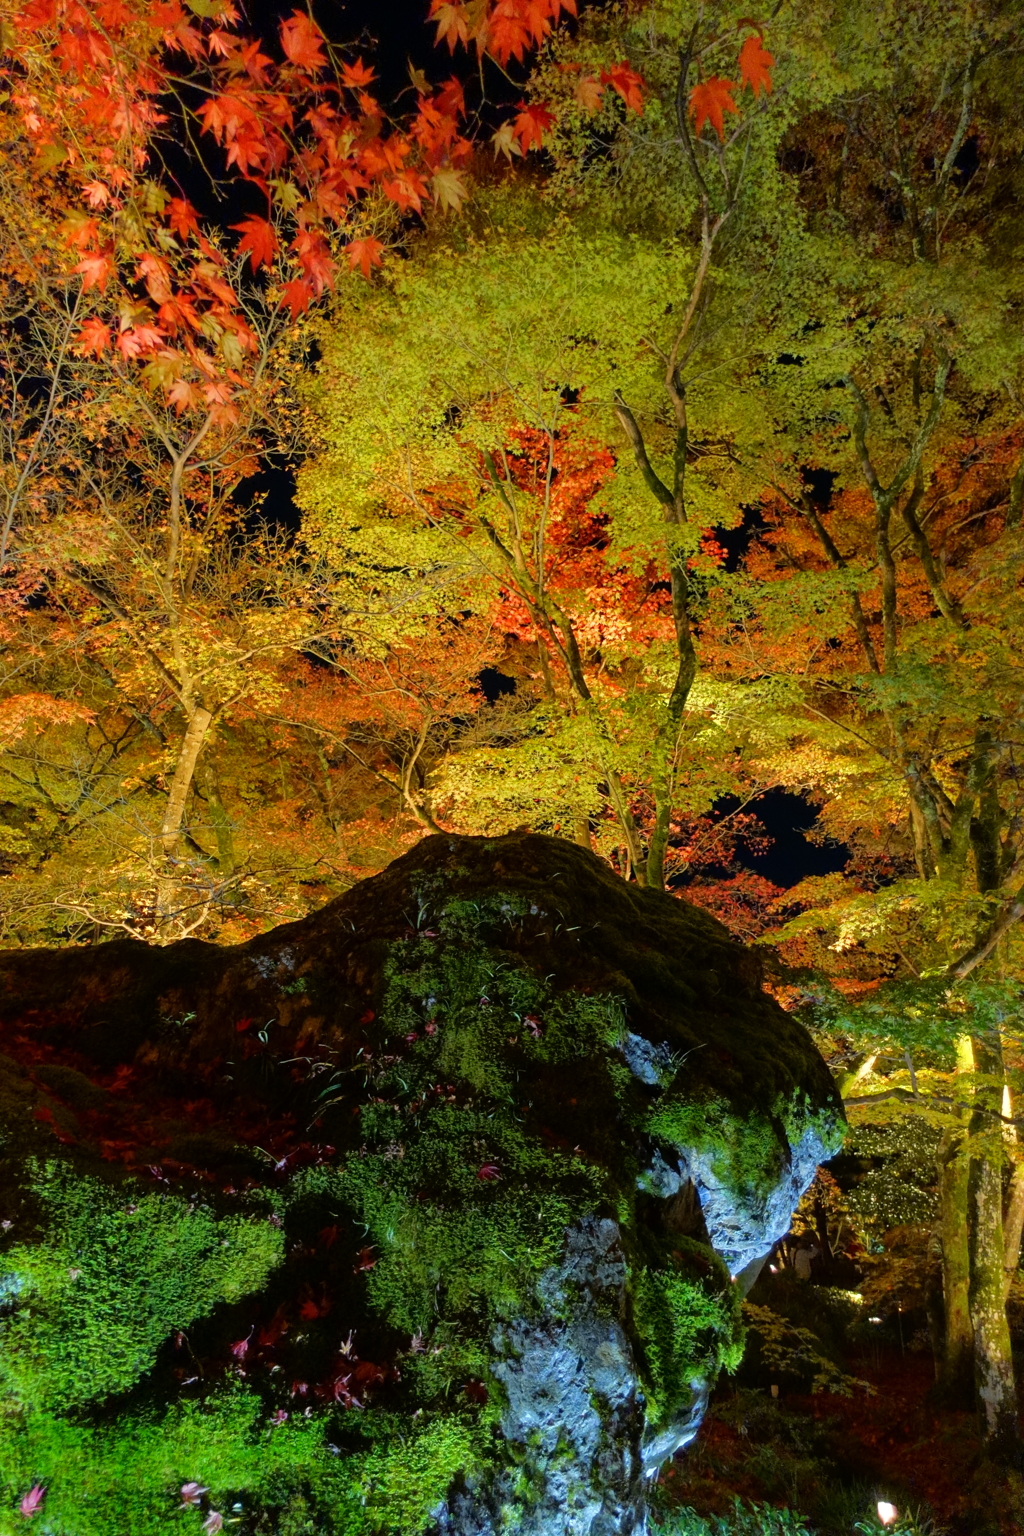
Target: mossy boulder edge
[(498, 1140)]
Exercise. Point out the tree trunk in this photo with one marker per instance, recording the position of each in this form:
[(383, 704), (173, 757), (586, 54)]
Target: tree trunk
[(581, 832), (993, 1358), (195, 734), (168, 886), (220, 821), (1013, 1227), (956, 1370)]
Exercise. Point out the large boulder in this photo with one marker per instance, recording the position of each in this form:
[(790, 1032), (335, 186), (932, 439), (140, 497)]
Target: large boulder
[(431, 1212)]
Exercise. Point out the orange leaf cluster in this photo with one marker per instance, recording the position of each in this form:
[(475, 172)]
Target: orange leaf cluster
[(505, 29), (712, 98)]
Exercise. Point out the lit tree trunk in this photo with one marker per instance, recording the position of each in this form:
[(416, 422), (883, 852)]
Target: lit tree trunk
[(993, 1356), (581, 832), (956, 1373), (220, 821), (1013, 1227), (168, 887)]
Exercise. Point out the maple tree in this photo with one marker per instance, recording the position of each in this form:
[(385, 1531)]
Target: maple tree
[(884, 587), (147, 362)]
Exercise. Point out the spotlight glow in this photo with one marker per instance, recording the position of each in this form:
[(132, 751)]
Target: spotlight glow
[(887, 1512)]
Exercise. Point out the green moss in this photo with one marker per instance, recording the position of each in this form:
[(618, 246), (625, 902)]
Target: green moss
[(91, 1305), (109, 1479), (746, 1153), (687, 1315), (408, 1473)]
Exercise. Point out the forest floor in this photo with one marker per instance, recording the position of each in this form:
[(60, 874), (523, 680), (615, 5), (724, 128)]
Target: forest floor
[(832, 1458)]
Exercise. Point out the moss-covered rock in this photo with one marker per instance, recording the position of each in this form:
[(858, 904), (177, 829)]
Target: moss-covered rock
[(434, 1208)]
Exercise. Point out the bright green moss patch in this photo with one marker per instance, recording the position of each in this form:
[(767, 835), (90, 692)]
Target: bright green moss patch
[(746, 1153), (687, 1316), (125, 1477), (88, 1308), (410, 1470)]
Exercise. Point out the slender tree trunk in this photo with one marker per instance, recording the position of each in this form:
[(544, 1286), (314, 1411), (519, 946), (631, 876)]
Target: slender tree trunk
[(195, 734), (168, 886), (993, 1355), (220, 821), (581, 833), (993, 1358), (1013, 1227), (956, 1370)]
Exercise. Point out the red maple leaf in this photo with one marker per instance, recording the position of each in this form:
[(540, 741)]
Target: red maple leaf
[(406, 191), (96, 270), (489, 1172), (510, 32), (756, 64), (709, 101), (531, 124), (94, 338), (450, 99), (181, 217), (314, 258), (301, 40), (364, 254), (627, 83), (259, 239), (357, 75), (32, 1501)]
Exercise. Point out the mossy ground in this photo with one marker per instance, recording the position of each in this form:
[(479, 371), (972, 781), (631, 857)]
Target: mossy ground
[(353, 1180)]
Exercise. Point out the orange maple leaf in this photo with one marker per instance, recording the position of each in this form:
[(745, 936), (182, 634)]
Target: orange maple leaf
[(589, 92), (79, 229), (94, 338), (406, 191), (96, 270), (709, 101), (452, 22), (531, 124), (183, 396), (357, 75), (627, 83), (301, 40), (756, 64), (259, 239), (96, 194), (138, 339), (364, 254)]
